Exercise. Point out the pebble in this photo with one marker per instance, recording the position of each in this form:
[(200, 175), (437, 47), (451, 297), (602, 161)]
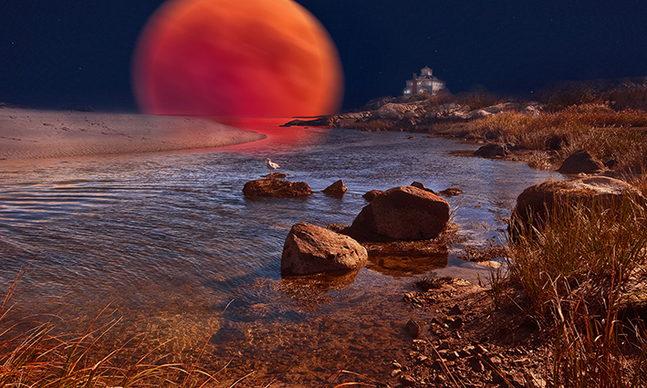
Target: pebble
[(456, 310)]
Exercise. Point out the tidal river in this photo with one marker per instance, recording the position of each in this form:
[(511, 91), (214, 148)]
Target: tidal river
[(168, 242)]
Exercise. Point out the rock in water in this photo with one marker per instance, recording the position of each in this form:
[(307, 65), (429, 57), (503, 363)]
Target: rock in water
[(275, 188), (581, 162), (422, 187), (337, 189), (492, 150), (401, 213), (310, 249)]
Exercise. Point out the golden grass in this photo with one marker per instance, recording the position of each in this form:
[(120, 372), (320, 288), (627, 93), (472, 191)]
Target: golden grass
[(607, 134), (33, 354), (574, 270)]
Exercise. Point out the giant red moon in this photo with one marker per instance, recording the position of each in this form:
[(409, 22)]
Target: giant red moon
[(236, 58)]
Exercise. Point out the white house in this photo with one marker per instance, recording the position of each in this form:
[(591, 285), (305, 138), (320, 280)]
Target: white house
[(425, 83)]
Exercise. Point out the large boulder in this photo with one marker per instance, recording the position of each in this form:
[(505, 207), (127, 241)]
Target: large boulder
[(581, 162), (402, 213), (276, 188), (535, 202), (310, 249)]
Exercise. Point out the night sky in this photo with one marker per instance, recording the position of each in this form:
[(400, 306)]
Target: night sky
[(55, 53)]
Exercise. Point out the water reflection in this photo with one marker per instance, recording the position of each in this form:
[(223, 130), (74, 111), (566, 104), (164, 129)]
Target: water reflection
[(407, 260), (172, 244)]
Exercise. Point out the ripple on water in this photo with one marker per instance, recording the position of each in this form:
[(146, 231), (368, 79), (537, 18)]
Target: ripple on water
[(171, 243)]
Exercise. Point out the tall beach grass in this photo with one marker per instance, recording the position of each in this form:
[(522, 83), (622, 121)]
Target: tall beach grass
[(576, 272), (606, 133), (34, 353)]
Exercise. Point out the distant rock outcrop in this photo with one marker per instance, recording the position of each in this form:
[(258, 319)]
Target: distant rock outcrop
[(315, 122), (310, 249), (401, 213), (389, 113)]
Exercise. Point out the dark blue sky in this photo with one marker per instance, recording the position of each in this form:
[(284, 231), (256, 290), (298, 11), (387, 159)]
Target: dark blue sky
[(55, 53)]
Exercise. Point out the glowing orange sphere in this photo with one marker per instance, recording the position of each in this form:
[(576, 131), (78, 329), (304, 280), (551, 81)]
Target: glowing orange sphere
[(236, 58)]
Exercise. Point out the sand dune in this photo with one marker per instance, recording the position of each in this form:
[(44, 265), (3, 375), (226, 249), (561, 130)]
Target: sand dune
[(28, 134)]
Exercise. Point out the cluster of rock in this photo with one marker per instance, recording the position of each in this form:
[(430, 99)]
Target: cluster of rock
[(403, 213), (579, 162), (274, 186), (406, 213), (469, 339), (411, 115), (415, 213)]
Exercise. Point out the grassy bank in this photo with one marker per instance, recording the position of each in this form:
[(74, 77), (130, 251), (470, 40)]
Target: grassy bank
[(606, 133), (581, 278)]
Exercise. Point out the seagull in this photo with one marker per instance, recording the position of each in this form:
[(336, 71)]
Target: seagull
[(271, 165)]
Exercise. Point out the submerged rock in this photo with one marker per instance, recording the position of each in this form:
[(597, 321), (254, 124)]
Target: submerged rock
[(450, 192), (406, 258), (581, 162), (401, 213), (337, 189), (310, 249)]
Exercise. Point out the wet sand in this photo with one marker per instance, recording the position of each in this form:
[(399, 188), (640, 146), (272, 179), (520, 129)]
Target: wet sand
[(30, 134)]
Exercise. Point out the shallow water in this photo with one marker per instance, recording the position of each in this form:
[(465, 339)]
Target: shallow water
[(170, 243)]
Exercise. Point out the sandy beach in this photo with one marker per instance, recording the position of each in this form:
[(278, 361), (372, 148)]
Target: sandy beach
[(30, 134)]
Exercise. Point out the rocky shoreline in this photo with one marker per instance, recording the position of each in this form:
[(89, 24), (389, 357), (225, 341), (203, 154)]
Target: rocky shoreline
[(471, 339), (415, 116), (516, 131)]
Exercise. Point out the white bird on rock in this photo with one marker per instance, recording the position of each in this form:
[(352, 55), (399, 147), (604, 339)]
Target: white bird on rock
[(271, 165)]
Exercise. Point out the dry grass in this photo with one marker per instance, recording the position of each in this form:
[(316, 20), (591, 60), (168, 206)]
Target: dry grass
[(33, 354), (607, 134), (573, 271)]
